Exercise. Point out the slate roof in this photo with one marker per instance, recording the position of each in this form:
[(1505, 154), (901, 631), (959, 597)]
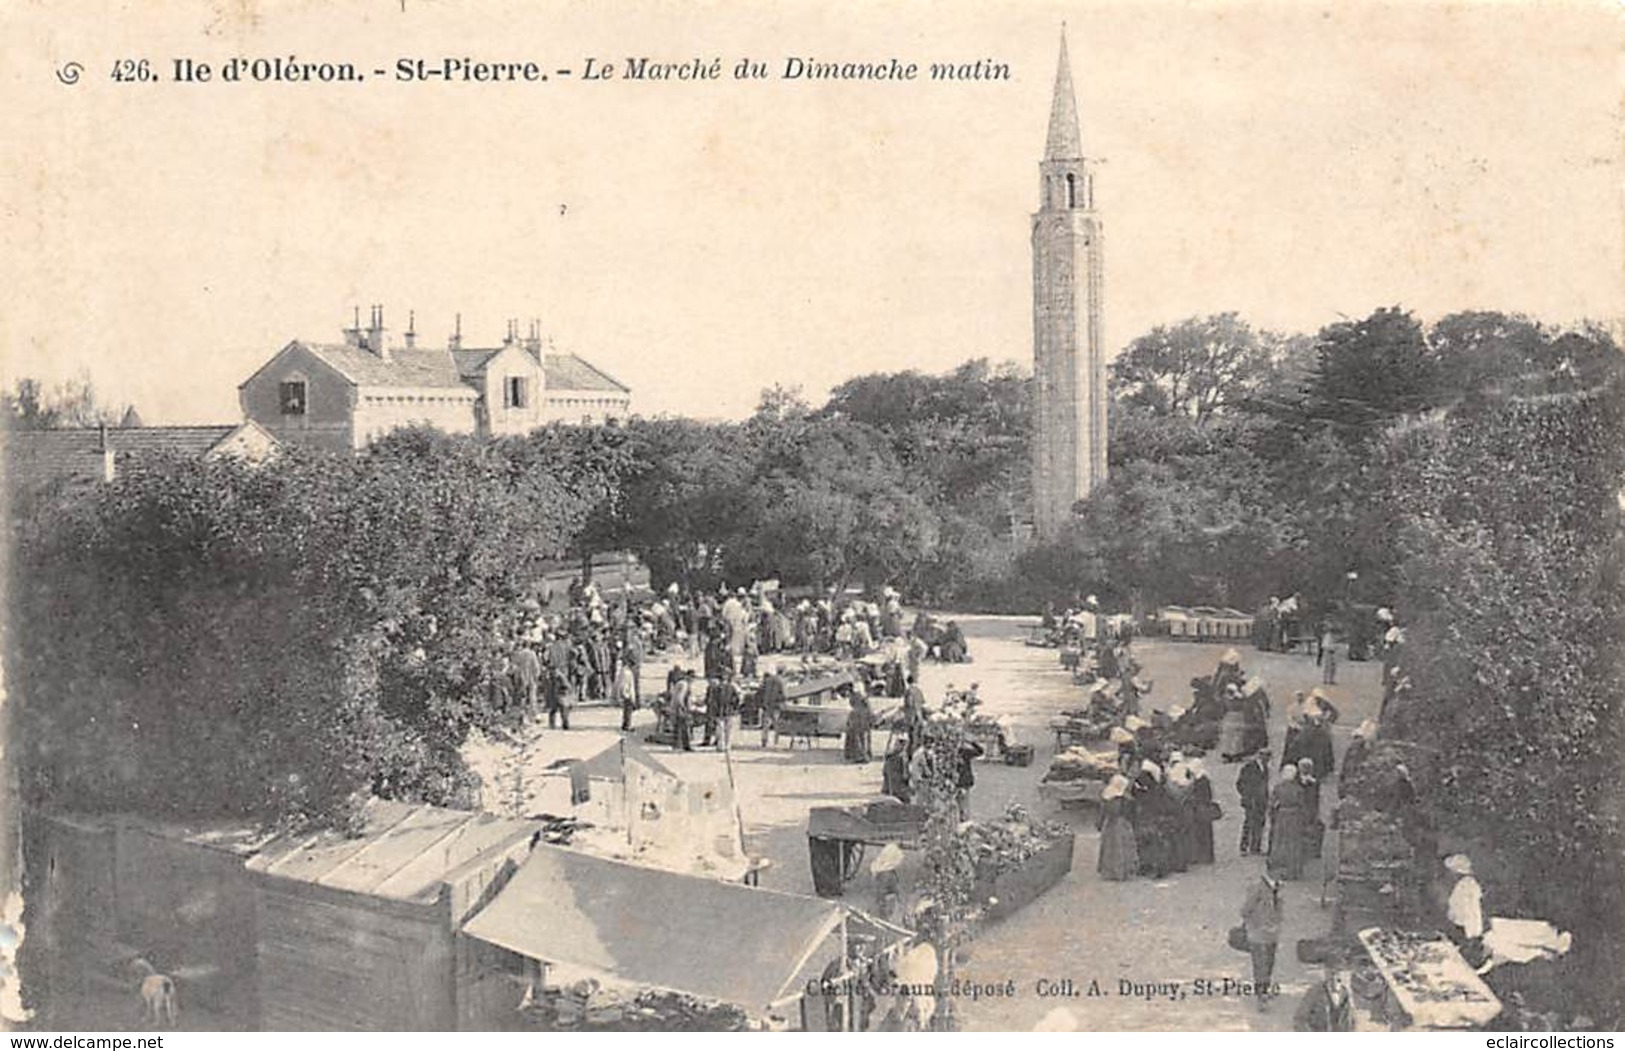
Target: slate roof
[(415, 367), (569, 372), (439, 367), (75, 454), (562, 371)]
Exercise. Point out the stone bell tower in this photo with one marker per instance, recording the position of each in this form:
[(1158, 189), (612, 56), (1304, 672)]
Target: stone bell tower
[(1069, 369)]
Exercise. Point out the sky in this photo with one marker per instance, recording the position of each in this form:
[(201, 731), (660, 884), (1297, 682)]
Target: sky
[(1296, 162)]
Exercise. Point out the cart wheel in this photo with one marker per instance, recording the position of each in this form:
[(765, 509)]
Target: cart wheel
[(854, 861)]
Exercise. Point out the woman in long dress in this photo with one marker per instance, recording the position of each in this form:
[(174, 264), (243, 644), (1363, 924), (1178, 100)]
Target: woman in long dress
[(1287, 826), (1202, 815), (1151, 824), (1233, 727), (1255, 711), (1119, 859), (1178, 788)]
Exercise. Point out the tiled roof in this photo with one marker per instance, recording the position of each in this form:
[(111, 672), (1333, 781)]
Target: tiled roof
[(569, 372), (416, 367), (75, 454)]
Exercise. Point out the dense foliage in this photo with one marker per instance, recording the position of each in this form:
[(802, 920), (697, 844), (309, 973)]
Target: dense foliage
[(1512, 579), (274, 642)]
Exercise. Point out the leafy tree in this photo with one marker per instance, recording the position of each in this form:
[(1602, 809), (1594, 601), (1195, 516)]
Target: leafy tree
[(1199, 368), (1512, 582), (71, 403), (1370, 373)]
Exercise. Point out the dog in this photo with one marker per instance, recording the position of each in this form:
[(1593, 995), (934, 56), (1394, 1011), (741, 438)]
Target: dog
[(159, 1004)]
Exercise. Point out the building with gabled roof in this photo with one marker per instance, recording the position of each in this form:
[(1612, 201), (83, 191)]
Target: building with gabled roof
[(344, 396), (69, 458)]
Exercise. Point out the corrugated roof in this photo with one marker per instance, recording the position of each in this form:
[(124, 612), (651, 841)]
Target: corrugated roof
[(74, 455), (415, 367), (404, 851), (656, 929)]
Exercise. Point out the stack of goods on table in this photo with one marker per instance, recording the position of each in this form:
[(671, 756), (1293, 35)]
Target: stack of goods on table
[(588, 1006), (1430, 981), (1084, 724), (1007, 843), (988, 732), (1081, 764), (1077, 775), (1017, 858)]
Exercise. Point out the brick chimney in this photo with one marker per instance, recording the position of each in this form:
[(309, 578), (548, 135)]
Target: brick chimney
[(377, 339)]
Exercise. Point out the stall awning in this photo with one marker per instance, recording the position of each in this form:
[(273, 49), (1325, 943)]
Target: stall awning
[(657, 929)]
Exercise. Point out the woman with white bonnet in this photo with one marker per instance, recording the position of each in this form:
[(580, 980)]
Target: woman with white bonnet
[(1466, 908), (1286, 827), (1119, 858), (1153, 822), (1354, 755)]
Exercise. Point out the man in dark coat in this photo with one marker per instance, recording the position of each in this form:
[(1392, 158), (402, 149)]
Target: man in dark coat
[(770, 699), (721, 702), (1253, 785), (1261, 917), (678, 687), (558, 658), (966, 779)]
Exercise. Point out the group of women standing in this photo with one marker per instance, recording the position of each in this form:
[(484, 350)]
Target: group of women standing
[(1158, 820)]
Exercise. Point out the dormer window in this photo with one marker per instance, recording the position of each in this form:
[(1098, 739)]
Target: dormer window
[(515, 394), (291, 394)]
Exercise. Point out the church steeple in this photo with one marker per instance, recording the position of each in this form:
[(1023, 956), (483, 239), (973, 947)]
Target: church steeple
[(1065, 144), (1069, 369), (1067, 181)]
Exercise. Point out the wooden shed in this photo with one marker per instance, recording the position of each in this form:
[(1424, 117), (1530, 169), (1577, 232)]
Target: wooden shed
[(566, 915), (357, 933), (105, 889)]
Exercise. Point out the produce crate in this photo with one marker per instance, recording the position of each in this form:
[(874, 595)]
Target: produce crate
[(1013, 888), (1019, 755)]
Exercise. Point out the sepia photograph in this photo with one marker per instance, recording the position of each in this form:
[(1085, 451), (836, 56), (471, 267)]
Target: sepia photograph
[(535, 517)]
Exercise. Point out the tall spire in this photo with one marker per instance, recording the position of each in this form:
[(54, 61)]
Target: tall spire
[(1065, 144)]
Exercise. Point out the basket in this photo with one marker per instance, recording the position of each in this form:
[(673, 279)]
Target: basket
[(1019, 755)]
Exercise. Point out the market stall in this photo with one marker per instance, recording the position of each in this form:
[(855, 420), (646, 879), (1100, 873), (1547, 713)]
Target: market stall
[(836, 837), (1077, 776), (583, 943), (1017, 859), (813, 706), (1427, 982)]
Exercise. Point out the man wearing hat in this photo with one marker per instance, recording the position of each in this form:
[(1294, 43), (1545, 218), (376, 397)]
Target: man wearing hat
[(1261, 918), (1465, 909), (1253, 785), (678, 690)]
